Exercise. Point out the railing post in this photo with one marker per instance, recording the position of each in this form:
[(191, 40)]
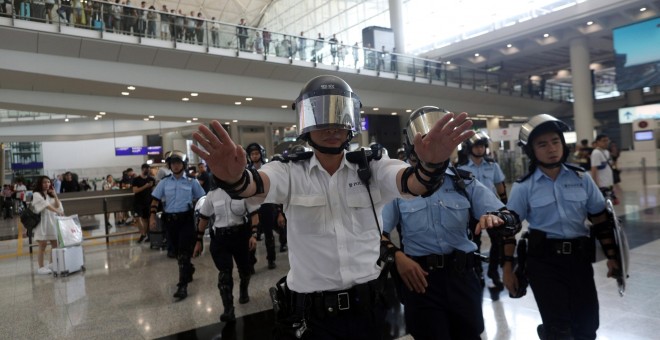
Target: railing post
[(105, 219)]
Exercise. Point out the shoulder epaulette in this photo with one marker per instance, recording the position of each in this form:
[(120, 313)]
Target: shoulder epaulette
[(170, 175), (463, 174), (579, 171), (489, 160), (525, 177)]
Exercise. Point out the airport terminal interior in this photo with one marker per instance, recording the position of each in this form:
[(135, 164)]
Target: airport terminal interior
[(95, 89)]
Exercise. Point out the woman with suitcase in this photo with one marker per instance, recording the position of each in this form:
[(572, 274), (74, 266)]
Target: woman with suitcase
[(46, 203)]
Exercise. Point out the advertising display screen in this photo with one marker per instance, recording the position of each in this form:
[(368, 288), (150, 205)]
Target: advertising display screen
[(138, 150), (637, 55)]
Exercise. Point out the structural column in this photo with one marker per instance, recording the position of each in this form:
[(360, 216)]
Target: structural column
[(396, 23), (492, 124), (268, 129), (583, 104), (233, 132), (2, 165)]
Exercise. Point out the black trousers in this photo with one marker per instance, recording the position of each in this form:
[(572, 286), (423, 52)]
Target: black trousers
[(565, 293), (180, 232), (226, 248), (356, 323), (449, 309)]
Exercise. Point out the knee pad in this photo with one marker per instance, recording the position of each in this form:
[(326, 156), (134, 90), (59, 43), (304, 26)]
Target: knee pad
[(225, 278)]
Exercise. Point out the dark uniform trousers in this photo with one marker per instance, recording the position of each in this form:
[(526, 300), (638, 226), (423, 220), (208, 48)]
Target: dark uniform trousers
[(451, 306), (353, 314), (181, 234), (268, 222), (562, 279), (228, 243)]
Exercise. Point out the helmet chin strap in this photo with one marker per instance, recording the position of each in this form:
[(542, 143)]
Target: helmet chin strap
[(549, 165), (478, 156), (327, 150)]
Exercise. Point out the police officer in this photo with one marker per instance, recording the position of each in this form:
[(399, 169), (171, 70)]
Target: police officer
[(231, 237), (488, 172), (443, 295), (177, 192), (268, 212), (556, 198), (334, 238)]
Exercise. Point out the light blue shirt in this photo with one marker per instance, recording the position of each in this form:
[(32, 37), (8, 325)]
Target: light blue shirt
[(488, 173), (177, 195), (438, 224), (560, 207)]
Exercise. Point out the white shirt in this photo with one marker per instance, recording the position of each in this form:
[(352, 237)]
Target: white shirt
[(600, 159), (228, 212), (332, 235)]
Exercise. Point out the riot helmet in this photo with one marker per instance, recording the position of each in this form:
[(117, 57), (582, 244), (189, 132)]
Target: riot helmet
[(479, 138), (536, 126), (421, 120), (277, 158), (256, 147), (327, 102), (176, 155)]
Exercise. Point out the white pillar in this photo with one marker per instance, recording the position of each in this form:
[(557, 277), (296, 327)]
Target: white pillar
[(171, 140), (396, 23), (233, 128), (269, 139), (583, 104), (492, 124)]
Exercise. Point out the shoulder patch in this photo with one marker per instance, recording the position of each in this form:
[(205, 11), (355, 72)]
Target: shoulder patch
[(300, 156), (524, 177)]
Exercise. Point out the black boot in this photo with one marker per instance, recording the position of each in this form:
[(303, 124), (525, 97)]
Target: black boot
[(245, 282), (226, 285), (182, 291)]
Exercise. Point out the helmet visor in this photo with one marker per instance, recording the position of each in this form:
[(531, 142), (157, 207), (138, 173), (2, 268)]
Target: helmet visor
[(328, 109), (422, 120)]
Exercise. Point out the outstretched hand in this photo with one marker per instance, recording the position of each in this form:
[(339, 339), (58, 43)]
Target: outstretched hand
[(445, 135), (226, 159)]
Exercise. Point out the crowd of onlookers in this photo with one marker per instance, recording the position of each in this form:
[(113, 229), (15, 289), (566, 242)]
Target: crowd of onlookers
[(141, 20)]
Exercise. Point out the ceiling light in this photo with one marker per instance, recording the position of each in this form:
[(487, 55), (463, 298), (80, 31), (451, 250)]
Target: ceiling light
[(125, 93), (237, 103), (546, 35), (66, 119), (131, 88), (146, 119), (447, 62), (476, 54), (195, 119), (642, 9), (589, 23), (285, 106), (393, 113), (409, 110), (294, 126), (185, 99), (226, 123), (508, 45), (375, 109), (188, 121), (96, 118), (248, 99), (361, 111), (235, 121), (194, 94), (102, 113), (152, 117)]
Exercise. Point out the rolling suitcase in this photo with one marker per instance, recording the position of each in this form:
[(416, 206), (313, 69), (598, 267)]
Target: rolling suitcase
[(68, 260), (157, 237)]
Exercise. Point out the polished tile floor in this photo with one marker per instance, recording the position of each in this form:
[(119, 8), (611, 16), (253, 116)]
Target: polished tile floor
[(126, 291)]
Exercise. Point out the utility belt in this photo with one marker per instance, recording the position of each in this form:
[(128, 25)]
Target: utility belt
[(359, 298), (458, 260), (541, 246), (177, 217), (225, 231)]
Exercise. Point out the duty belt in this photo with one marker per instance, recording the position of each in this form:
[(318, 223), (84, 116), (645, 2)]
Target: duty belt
[(567, 246), (171, 217), (331, 303), (229, 230), (457, 260)]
